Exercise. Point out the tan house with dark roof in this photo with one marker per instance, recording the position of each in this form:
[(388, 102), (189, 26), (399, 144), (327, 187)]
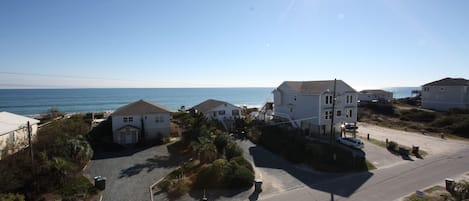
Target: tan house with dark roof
[(309, 104), (445, 94), (140, 120), (220, 110)]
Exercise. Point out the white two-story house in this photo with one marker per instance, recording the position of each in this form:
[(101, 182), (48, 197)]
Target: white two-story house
[(141, 120), (309, 104), (445, 94)]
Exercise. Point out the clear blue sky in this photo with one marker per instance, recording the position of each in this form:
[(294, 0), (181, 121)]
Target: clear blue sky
[(218, 43)]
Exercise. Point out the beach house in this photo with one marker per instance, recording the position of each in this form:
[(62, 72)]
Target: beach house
[(445, 94), (140, 120), (374, 96), (222, 111), (310, 105), (14, 134)]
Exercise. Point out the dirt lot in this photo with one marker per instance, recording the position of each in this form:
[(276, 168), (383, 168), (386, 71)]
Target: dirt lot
[(432, 145)]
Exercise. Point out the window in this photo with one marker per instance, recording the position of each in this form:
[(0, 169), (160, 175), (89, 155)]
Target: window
[(126, 119), (328, 115), (235, 113), (294, 98), (350, 98), (291, 109), (159, 119), (328, 99), (350, 113), (131, 119), (339, 113), (221, 112)]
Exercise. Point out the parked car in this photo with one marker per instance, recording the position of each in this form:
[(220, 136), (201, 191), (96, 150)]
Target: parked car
[(350, 126), (352, 142)]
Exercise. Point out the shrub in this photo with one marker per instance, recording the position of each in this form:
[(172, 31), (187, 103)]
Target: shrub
[(221, 141), (178, 187), (76, 186), (12, 197), (417, 115), (392, 146), (241, 161), (233, 150), (385, 109), (240, 177)]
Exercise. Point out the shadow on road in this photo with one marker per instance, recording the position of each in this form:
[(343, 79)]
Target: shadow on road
[(166, 161), (338, 184)]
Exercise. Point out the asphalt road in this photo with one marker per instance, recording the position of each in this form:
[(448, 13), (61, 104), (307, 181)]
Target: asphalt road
[(384, 184), (130, 172)]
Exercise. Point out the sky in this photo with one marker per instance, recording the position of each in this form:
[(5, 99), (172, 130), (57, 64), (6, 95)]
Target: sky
[(231, 43)]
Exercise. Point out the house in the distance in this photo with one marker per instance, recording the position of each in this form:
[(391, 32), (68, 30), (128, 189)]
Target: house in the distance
[(374, 96), (222, 111), (141, 120), (14, 132), (309, 104), (445, 94)]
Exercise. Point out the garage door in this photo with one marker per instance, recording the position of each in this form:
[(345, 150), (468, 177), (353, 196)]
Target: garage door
[(128, 137)]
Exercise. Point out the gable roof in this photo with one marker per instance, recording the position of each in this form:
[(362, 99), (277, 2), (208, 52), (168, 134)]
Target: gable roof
[(314, 87), (140, 107), (375, 91), (11, 122), (449, 82), (209, 104)]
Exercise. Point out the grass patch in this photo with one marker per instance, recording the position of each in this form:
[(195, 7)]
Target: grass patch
[(383, 144), (370, 165)]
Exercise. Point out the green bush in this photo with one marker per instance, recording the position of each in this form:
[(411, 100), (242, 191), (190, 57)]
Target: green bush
[(385, 109), (233, 150), (12, 197), (77, 186), (240, 177), (392, 146)]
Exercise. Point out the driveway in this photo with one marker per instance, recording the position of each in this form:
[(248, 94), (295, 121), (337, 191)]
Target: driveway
[(432, 145), (381, 157), (130, 172)]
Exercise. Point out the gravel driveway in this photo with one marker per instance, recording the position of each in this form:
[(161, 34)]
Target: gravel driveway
[(130, 172), (432, 145)]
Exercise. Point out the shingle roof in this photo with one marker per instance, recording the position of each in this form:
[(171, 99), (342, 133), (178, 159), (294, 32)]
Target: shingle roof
[(314, 87), (449, 82), (11, 122), (140, 107), (208, 105)]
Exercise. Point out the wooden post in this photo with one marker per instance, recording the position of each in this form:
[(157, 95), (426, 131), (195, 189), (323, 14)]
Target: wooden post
[(30, 144), (333, 113)]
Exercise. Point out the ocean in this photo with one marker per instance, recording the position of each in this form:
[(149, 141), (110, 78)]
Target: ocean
[(402, 92), (38, 101)]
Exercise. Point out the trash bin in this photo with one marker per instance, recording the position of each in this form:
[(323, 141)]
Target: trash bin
[(449, 184), (258, 185), (100, 182), (415, 149)]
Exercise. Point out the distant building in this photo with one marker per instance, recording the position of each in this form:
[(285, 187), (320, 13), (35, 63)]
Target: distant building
[(309, 104), (374, 96), (266, 112), (140, 120), (14, 132), (445, 94), (222, 111)]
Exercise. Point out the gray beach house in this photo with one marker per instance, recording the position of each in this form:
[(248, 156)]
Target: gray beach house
[(445, 94), (309, 104)]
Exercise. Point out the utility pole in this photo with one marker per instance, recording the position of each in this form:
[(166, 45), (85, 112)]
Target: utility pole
[(30, 144), (333, 113)]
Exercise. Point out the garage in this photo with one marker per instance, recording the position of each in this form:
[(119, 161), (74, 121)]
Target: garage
[(128, 135)]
